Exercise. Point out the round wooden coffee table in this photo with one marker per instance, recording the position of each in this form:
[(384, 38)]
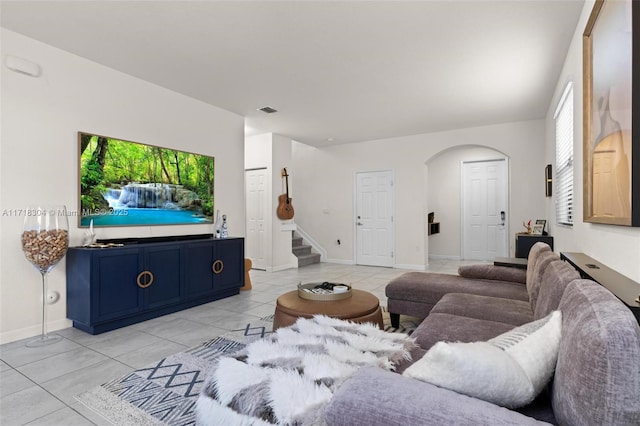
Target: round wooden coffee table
[(360, 307)]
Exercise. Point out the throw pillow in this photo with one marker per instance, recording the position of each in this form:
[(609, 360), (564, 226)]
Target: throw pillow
[(492, 272), (509, 370)]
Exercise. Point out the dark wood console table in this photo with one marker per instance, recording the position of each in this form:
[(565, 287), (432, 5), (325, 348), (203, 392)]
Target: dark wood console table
[(625, 289)]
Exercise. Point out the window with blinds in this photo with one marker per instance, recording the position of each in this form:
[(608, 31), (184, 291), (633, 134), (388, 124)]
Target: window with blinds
[(564, 157)]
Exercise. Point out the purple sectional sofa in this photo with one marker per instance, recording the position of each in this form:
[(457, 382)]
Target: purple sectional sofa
[(597, 373)]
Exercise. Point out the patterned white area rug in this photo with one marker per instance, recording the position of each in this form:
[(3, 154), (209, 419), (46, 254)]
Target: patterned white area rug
[(407, 324), (290, 377), (165, 392)]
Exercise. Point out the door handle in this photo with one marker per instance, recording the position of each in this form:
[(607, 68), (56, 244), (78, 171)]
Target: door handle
[(503, 217), (359, 223)]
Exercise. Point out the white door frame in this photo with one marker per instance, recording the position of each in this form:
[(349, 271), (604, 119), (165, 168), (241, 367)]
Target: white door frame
[(355, 211), (507, 187)]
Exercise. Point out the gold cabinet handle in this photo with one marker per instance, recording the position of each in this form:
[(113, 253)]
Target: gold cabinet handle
[(139, 279), (217, 266)]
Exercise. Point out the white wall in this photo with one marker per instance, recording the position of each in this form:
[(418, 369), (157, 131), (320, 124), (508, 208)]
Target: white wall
[(444, 196), (39, 158), (616, 246), (273, 152), (283, 257), (257, 151), (324, 208)]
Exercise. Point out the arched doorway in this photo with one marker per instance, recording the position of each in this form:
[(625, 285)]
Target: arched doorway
[(448, 197)]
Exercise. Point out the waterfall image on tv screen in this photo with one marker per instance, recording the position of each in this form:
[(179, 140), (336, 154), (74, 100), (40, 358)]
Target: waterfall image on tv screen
[(125, 183)]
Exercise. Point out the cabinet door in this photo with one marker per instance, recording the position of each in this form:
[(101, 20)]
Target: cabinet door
[(198, 269), (229, 254), (164, 265), (115, 292)]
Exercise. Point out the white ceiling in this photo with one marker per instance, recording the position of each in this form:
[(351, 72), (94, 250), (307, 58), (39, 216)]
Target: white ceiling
[(347, 70)]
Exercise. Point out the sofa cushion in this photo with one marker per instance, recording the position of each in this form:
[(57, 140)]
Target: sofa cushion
[(428, 287), (492, 272), (412, 308), (536, 250), (516, 312), (374, 397), (416, 353), (554, 281), (454, 328), (508, 370), (533, 285), (597, 380), (451, 328)]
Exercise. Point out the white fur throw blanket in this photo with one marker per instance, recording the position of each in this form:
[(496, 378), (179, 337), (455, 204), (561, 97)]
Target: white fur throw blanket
[(288, 378)]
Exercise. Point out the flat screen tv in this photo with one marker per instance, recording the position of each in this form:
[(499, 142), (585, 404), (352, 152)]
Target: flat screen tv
[(124, 183)]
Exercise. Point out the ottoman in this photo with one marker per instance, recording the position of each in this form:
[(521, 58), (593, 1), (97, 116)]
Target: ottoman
[(360, 307)]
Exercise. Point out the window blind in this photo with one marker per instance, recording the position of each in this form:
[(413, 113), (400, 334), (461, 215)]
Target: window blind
[(564, 157)]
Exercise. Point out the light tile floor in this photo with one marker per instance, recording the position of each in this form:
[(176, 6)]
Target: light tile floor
[(38, 385)]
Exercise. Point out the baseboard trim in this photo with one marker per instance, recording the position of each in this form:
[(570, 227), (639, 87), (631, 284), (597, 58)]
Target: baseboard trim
[(415, 267), (443, 257), (282, 267), (340, 261), (33, 331), (396, 266)]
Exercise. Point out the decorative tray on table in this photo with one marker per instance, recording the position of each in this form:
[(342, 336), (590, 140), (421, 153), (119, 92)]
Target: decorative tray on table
[(324, 291)]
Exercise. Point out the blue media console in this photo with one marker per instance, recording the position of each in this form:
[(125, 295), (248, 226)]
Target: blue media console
[(109, 288)]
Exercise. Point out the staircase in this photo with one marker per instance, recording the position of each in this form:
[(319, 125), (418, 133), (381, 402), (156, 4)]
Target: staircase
[(303, 251)]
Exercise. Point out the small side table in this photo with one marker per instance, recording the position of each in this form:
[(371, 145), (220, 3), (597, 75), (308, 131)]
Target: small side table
[(524, 242)]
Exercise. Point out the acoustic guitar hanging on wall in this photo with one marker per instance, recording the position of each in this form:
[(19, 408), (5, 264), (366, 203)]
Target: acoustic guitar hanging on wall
[(285, 208)]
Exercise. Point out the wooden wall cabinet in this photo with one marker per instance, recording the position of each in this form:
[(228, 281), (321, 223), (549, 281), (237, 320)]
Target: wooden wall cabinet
[(109, 288)]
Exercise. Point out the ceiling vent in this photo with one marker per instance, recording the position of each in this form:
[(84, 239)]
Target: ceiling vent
[(268, 109)]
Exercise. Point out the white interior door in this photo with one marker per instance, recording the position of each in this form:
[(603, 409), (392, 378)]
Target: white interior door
[(256, 196), (484, 210), (374, 218)]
